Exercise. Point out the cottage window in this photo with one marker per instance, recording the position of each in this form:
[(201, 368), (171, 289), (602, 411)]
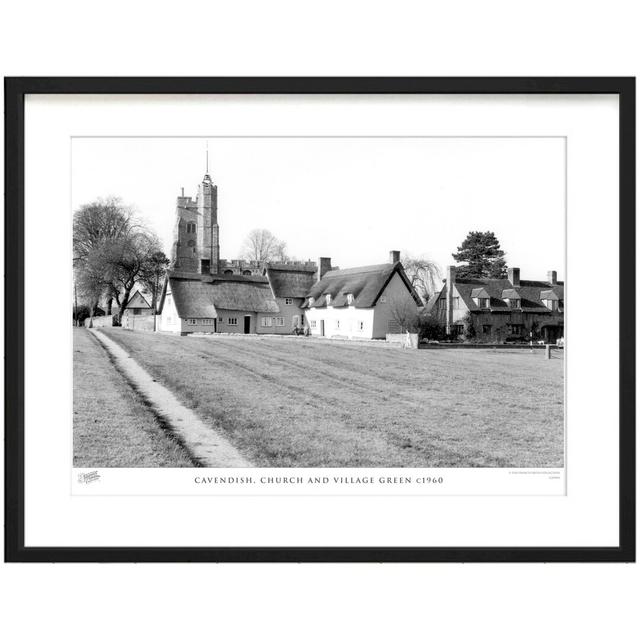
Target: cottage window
[(337, 324), (457, 329), (328, 298), (516, 329), (514, 303), (232, 321), (288, 300), (192, 321), (266, 322), (361, 326), (279, 322), (207, 320), (349, 298), (486, 328), (313, 324), (551, 304)]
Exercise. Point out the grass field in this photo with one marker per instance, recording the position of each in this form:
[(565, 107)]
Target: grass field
[(307, 403), (111, 428)]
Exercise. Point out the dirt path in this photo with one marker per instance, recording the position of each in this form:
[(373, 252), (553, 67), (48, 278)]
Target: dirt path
[(111, 427), (206, 445)]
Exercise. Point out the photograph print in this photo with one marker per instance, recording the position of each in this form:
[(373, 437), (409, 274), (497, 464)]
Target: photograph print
[(318, 302)]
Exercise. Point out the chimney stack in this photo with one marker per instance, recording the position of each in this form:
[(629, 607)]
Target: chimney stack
[(513, 273), (451, 275), (451, 280), (394, 256), (552, 277), (324, 265), (182, 192)]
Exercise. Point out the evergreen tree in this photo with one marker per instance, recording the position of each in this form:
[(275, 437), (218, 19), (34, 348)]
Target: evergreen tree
[(482, 256)]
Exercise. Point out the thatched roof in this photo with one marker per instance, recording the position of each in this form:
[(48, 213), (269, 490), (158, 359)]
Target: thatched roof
[(291, 281), (365, 284), (201, 297)]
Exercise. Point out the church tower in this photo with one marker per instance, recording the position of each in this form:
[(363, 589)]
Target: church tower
[(208, 241), (196, 246)]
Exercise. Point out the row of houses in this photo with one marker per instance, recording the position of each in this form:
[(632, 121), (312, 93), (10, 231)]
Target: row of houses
[(318, 300), (203, 293)]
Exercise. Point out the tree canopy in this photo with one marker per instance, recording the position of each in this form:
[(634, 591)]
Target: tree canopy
[(481, 256), (112, 252), (262, 246), (424, 274)]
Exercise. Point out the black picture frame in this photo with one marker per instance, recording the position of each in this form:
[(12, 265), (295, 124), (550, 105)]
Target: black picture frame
[(15, 91)]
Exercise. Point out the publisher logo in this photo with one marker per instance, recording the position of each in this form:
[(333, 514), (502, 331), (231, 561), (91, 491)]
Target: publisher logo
[(86, 478)]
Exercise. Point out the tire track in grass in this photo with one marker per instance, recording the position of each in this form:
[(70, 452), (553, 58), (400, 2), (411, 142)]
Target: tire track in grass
[(442, 453), (346, 408)]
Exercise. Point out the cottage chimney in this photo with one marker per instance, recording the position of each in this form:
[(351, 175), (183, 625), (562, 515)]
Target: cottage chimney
[(182, 192), (513, 273), (394, 256), (324, 265), (552, 277), (451, 281)]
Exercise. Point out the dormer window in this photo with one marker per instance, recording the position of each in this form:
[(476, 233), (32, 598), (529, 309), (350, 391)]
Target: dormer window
[(481, 298), (311, 300), (552, 305), (550, 299), (512, 298), (349, 298), (328, 299)]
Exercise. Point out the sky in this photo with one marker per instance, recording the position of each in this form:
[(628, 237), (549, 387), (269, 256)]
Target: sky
[(352, 199)]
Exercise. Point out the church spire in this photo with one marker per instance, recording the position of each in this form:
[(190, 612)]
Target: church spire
[(207, 177)]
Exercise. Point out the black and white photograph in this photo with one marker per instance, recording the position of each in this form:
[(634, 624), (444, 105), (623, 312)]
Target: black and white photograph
[(305, 319), (320, 320), (319, 302)]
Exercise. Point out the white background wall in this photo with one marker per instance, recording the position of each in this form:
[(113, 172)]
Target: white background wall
[(288, 38)]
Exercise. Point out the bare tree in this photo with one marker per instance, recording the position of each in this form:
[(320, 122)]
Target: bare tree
[(262, 246), (90, 279), (153, 273), (129, 261), (112, 251), (404, 312), (424, 275), (98, 222)]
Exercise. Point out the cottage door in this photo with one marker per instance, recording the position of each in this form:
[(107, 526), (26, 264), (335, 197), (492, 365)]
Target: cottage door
[(322, 328), (247, 324)]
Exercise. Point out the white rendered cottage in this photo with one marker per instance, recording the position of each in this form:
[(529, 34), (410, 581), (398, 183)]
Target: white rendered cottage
[(361, 303)]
